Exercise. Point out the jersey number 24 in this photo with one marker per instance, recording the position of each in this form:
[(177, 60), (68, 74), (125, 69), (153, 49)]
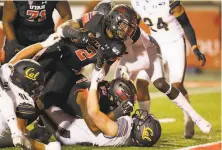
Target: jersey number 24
[(160, 24)]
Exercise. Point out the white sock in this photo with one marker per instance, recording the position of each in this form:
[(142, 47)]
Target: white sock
[(145, 105), (7, 110), (181, 102)]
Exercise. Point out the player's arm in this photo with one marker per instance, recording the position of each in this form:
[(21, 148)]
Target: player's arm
[(178, 11), (101, 120), (64, 11), (32, 50), (8, 19)]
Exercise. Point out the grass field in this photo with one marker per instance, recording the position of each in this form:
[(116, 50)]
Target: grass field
[(205, 97)]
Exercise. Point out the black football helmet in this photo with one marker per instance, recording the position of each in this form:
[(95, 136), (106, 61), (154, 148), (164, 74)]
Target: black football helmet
[(104, 7), (122, 21), (28, 75), (146, 129), (121, 89)]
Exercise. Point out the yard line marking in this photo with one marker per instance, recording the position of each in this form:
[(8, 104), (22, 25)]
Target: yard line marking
[(214, 146), (166, 120), (154, 95)]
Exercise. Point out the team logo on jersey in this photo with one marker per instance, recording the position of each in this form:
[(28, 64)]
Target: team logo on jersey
[(31, 74), (98, 34), (147, 132)]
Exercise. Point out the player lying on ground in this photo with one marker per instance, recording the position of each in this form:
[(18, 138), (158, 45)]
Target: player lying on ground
[(97, 127), (20, 84), (168, 22), (147, 57)]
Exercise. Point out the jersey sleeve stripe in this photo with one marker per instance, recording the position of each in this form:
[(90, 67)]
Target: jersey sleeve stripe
[(122, 127), (88, 16)]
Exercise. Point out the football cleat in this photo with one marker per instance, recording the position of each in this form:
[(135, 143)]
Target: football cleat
[(204, 126), (189, 127)]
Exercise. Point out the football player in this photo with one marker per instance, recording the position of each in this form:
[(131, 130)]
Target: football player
[(97, 127), (146, 55), (168, 22), (20, 84), (29, 22), (68, 58)]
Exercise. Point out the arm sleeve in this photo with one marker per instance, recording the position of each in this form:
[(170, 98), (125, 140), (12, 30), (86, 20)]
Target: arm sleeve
[(188, 29)]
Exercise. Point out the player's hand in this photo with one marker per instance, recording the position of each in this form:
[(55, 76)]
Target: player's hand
[(13, 46), (22, 142), (98, 76), (51, 40), (124, 72), (53, 146), (199, 56), (84, 37)]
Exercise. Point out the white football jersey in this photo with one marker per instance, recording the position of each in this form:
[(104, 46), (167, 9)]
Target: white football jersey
[(77, 131), (156, 14)]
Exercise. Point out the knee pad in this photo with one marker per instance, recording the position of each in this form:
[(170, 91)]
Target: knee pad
[(161, 85)]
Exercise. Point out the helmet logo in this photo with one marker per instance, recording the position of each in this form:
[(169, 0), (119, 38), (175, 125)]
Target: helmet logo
[(30, 74), (146, 133)]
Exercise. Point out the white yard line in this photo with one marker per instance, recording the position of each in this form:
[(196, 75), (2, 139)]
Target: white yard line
[(201, 145), (195, 91), (166, 120)]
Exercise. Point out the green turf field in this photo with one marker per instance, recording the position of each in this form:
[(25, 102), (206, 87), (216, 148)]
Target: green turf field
[(208, 104)]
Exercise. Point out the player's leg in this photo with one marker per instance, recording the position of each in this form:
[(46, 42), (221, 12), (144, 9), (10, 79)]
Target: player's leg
[(177, 67), (157, 77), (143, 95)]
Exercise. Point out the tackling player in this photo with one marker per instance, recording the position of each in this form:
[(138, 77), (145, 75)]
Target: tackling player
[(29, 22), (98, 128), (147, 56), (168, 22)]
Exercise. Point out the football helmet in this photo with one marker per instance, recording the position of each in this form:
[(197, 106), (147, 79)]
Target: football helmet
[(104, 7), (146, 129), (28, 75), (121, 89), (122, 21)]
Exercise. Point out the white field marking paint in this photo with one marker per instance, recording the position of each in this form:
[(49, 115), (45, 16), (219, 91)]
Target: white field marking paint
[(166, 120), (201, 145), (154, 95)]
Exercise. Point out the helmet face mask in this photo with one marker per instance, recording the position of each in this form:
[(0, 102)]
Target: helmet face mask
[(120, 90), (122, 22)]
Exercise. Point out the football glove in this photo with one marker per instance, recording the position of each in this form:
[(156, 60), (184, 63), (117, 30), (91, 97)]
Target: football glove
[(11, 48), (21, 141), (124, 72), (83, 37), (51, 40), (199, 56)]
